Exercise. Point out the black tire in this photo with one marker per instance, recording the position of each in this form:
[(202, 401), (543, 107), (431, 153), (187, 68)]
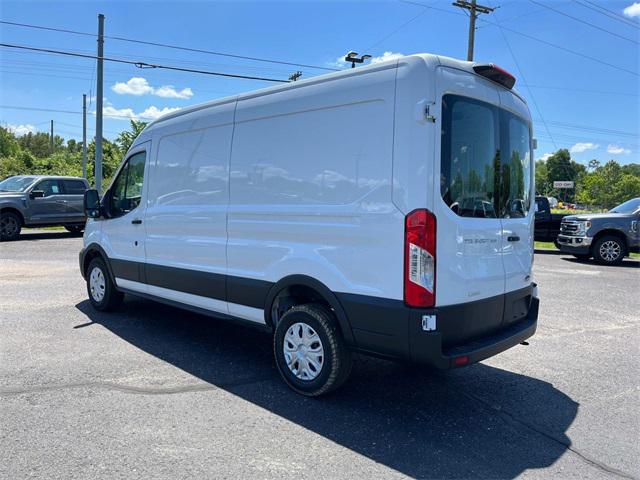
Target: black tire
[(582, 256), (10, 226), (74, 228), (336, 360), (609, 250), (110, 297), (556, 243)]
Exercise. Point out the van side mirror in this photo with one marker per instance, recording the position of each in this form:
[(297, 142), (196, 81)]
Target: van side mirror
[(36, 194), (92, 204)]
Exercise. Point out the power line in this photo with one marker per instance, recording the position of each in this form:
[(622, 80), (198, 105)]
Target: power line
[(560, 47), (606, 12), (75, 112), (533, 98), (569, 89), (175, 47), (397, 29), (142, 65), (559, 12), (531, 37)]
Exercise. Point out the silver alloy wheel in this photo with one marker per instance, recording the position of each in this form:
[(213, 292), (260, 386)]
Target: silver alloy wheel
[(8, 225), (97, 284), (610, 250), (303, 351)]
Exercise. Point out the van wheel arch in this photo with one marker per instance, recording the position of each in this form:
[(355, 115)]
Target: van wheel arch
[(92, 251), (300, 289)]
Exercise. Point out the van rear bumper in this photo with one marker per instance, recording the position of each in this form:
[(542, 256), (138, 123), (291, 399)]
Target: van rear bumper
[(427, 346), (476, 330)]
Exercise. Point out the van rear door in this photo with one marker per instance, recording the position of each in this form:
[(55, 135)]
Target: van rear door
[(469, 265), (483, 200), (516, 197)]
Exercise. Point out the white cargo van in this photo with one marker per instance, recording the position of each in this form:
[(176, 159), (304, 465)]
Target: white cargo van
[(384, 210)]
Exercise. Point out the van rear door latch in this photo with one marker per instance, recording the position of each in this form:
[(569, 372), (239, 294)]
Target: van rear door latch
[(427, 114)]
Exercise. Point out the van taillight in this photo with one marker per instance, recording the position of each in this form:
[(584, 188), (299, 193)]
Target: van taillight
[(420, 259)]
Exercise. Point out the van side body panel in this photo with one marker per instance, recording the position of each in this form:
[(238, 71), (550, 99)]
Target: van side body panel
[(414, 133), (310, 187)]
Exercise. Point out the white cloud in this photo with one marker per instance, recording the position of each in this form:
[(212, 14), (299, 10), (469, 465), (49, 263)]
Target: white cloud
[(140, 86), (20, 129), (385, 56), (617, 150), (122, 113), (167, 91), (340, 63), (632, 10), (545, 157), (151, 113), (583, 147), (134, 86)]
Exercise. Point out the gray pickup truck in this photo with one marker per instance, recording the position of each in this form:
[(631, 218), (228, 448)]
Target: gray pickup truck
[(607, 237), (41, 201)]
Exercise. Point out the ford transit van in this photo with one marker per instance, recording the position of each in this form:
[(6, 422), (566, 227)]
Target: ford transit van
[(385, 210)]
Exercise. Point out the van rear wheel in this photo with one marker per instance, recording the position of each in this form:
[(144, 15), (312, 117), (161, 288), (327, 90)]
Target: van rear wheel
[(310, 353), (102, 291)]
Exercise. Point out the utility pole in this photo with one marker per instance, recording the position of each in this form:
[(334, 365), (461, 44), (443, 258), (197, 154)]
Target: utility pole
[(51, 138), (99, 79), (474, 10), (84, 135)]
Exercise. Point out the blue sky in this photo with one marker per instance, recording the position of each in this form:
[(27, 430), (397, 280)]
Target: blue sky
[(589, 107)]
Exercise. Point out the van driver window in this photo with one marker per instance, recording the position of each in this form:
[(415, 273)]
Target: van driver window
[(126, 190)]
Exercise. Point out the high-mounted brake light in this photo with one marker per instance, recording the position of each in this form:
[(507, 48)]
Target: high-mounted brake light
[(420, 259), (496, 74)]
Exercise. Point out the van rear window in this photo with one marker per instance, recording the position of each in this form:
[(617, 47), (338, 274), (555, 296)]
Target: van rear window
[(485, 169)]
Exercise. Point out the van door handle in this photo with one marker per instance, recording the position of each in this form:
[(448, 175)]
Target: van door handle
[(513, 238), (136, 221)]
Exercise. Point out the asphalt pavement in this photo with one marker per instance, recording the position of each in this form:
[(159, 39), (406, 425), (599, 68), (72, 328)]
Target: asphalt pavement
[(151, 391)]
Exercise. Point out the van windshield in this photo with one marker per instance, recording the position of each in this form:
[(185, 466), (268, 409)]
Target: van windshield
[(485, 166)]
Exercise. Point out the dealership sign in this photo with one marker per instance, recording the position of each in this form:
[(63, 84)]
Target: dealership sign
[(562, 184)]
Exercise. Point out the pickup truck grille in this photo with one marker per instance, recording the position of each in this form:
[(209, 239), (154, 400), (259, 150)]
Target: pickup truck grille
[(568, 228)]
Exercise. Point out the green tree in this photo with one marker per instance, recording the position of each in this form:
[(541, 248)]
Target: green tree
[(126, 138), (8, 144), (542, 184), (561, 167)]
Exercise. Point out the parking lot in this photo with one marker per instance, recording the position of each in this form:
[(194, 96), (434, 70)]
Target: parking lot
[(155, 392)]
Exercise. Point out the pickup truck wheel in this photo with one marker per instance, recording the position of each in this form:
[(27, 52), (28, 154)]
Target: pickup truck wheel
[(10, 226), (310, 353), (609, 250), (102, 292), (74, 228)]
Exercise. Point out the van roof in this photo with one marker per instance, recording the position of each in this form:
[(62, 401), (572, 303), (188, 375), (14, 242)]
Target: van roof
[(351, 72)]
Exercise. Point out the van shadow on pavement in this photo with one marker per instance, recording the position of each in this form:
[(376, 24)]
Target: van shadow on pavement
[(470, 423)]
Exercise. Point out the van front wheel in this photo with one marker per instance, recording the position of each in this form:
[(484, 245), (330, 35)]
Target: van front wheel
[(102, 292), (310, 352)]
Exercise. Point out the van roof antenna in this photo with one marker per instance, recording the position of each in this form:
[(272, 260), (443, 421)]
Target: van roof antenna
[(353, 58)]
